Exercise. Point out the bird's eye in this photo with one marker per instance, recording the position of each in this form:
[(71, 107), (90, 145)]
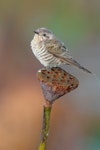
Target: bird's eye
[(44, 34)]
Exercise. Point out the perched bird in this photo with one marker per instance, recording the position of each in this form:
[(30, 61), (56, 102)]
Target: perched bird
[(50, 51)]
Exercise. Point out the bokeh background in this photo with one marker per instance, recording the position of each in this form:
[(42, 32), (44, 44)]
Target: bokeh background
[(75, 120)]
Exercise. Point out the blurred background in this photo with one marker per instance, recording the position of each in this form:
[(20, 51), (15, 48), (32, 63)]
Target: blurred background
[(75, 120)]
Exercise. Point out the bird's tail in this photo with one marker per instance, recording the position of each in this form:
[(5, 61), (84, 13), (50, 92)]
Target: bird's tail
[(75, 63)]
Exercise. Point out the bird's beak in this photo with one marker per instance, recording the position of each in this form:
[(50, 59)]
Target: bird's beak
[(36, 32)]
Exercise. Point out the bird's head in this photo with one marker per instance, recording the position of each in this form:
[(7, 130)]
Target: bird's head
[(43, 34)]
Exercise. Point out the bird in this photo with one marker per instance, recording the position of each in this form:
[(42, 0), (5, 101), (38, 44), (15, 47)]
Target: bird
[(50, 51)]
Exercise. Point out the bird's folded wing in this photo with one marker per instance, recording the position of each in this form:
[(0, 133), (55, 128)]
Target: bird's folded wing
[(58, 49)]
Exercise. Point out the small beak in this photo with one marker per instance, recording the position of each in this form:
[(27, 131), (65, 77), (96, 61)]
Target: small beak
[(36, 32)]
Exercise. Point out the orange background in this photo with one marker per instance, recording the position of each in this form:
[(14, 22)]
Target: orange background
[(75, 118)]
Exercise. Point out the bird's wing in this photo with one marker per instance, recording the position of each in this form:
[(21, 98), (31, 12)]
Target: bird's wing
[(59, 50)]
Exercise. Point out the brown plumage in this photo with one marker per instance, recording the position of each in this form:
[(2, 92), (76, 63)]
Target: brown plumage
[(50, 51)]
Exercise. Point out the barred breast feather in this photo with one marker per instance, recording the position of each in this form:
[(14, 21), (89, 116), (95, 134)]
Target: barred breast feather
[(42, 54)]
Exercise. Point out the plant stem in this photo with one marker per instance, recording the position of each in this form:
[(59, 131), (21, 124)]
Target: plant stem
[(45, 126)]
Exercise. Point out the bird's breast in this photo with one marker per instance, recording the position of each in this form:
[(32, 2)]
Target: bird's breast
[(42, 54)]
